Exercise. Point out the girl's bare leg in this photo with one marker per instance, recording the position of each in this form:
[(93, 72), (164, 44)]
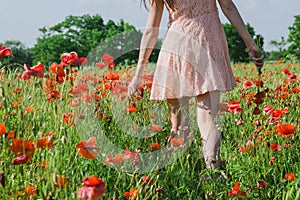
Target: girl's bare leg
[(207, 109), (179, 112)]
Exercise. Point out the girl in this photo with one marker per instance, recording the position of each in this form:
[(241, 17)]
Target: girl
[(193, 62)]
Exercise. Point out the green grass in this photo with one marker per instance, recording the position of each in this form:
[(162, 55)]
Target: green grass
[(179, 180)]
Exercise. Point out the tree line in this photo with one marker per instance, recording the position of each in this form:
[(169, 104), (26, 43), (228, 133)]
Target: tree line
[(90, 37)]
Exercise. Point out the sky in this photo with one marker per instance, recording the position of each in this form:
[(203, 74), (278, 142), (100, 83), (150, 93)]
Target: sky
[(20, 20)]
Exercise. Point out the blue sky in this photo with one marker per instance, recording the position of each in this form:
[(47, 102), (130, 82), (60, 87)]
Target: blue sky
[(20, 20)]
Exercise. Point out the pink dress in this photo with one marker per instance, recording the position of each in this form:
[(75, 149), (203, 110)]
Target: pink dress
[(194, 56)]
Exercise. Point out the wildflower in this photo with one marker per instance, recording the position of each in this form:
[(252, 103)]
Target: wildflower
[(72, 59), (21, 159), (290, 176), (94, 188), (154, 146), (59, 181), (37, 70), (234, 107), (88, 148), (28, 110), (272, 160), (108, 60), (261, 184), (236, 191), (5, 51), (176, 142), (29, 191), (132, 194), (2, 129), (20, 146), (248, 83), (274, 147), (285, 130), (267, 110), (155, 128)]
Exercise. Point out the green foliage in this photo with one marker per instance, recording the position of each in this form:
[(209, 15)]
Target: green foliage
[(292, 52), (294, 38), (236, 44), (81, 34), (280, 45), (21, 54)]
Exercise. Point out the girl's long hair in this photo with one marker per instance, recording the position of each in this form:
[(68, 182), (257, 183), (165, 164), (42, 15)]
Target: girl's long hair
[(158, 2)]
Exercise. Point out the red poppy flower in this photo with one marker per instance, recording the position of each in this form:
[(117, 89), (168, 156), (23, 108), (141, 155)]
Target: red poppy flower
[(295, 90), (286, 71), (176, 142), (21, 159), (44, 164), (117, 159), (28, 110), (132, 108), (2, 129), (68, 119), (108, 60), (131, 155), (268, 110), (79, 89), (5, 51), (275, 116), (256, 111), (88, 148), (146, 180), (248, 83), (274, 147), (243, 149), (52, 95), (261, 184), (285, 130), (37, 70), (272, 160), (290, 176), (20, 146), (239, 122), (154, 146), (46, 142), (94, 188), (110, 75), (101, 65), (125, 156), (155, 128), (132, 194), (72, 59), (259, 83), (236, 191), (29, 191), (234, 107), (59, 181)]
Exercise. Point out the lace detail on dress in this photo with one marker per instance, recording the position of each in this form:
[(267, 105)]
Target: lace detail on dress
[(194, 56), (191, 9)]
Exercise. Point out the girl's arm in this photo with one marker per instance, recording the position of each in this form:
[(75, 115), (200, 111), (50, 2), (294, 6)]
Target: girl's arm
[(150, 34), (231, 12), (148, 41)]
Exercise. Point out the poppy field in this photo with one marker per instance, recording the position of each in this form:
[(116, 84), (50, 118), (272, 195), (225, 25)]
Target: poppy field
[(47, 153)]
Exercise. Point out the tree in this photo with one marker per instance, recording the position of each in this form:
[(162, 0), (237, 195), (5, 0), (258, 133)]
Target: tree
[(21, 54), (81, 34), (280, 45), (294, 38), (237, 46)]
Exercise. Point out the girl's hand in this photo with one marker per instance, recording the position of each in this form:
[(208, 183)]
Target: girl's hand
[(256, 56), (133, 86)]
